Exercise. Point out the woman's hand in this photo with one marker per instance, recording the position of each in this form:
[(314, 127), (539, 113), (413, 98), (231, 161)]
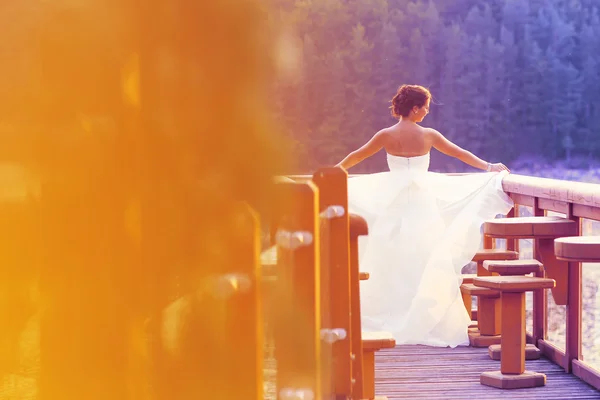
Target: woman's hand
[(498, 167)]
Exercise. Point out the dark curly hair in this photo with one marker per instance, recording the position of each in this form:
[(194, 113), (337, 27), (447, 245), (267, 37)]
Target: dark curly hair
[(406, 98)]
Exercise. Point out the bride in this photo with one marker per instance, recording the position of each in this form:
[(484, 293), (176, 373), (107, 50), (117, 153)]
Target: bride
[(423, 227)]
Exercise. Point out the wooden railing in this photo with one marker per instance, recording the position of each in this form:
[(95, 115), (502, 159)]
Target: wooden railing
[(313, 291), (577, 201)]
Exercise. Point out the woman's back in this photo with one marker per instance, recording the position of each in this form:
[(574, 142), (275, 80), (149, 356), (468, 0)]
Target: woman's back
[(406, 139)]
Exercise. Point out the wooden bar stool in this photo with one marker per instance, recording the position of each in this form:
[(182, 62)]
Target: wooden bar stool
[(479, 257), (492, 255), (515, 268), (488, 328), (488, 314), (544, 230), (512, 374), (468, 300)]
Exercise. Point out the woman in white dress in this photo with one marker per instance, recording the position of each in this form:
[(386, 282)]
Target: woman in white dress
[(423, 227)]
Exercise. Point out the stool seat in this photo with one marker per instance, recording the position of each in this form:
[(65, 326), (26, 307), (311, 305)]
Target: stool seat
[(514, 267), (471, 289), (578, 248), (513, 284), (530, 227), (468, 278), (495, 254)]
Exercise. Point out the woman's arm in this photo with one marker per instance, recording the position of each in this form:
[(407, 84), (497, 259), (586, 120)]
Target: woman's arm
[(447, 147), (367, 150)]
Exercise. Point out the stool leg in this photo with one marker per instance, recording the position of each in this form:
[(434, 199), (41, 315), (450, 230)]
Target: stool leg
[(482, 271), (468, 302), (513, 337), (489, 323), (489, 316), (512, 374)]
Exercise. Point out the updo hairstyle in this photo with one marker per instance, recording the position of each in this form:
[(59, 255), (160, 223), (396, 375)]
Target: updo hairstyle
[(407, 97)]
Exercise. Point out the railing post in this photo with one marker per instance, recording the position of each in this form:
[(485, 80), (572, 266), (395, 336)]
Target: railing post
[(573, 331), (358, 227), (244, 325), (333, 199), (297, 299), (540, 297)]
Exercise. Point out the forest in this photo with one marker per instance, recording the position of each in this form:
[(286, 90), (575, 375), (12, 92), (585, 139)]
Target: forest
[(509, 78)]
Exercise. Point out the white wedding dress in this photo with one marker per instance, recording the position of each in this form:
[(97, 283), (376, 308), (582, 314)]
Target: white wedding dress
[(423, 228)]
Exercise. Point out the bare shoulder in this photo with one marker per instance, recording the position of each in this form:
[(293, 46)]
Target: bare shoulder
[(383, 134), (386, 131), (432, 134)]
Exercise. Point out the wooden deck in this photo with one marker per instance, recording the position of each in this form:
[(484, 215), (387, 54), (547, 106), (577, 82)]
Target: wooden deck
[(421, 372)]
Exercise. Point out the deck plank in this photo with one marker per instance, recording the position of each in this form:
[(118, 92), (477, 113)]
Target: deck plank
[(421, 372)]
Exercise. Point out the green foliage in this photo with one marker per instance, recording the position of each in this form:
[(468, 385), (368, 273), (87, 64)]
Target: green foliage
[(509, 77)]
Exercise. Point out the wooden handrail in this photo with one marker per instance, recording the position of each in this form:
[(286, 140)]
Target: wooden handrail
[(581, 193)]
